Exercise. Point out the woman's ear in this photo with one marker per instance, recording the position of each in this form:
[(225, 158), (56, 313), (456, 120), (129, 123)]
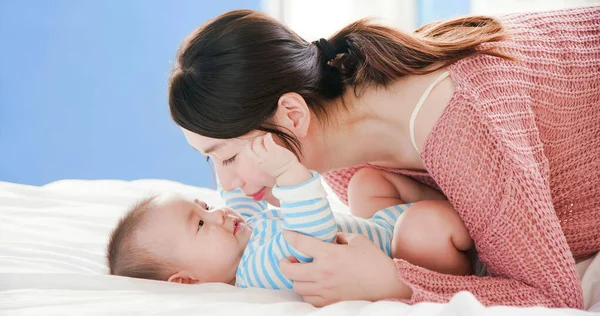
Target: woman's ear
[(183, 277), (293, 114)]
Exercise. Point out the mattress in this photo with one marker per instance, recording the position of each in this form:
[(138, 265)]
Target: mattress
[(52, 262)]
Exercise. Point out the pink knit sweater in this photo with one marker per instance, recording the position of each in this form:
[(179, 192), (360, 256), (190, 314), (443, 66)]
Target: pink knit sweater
[(517, 152)]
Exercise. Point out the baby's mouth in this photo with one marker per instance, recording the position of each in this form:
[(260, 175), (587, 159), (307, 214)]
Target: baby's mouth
[(236, 226)]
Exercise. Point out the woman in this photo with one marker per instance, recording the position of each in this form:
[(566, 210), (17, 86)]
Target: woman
[(500, 115)]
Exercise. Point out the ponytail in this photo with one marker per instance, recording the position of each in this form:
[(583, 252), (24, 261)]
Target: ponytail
[(377, 55)]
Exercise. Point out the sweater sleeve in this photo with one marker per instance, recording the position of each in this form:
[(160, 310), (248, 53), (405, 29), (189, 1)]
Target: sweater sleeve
[(493, 169)]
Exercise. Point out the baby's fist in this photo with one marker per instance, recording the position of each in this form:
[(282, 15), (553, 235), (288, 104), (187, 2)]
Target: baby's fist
[(270, 157)]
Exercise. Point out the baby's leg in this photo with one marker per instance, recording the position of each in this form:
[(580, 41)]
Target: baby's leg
[(430, 234), (370, 191)]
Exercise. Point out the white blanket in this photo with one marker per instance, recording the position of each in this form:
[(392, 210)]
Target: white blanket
[(52, 244)]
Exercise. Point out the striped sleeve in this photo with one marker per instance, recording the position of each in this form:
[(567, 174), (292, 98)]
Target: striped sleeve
[(242, 204), (379, 229), (261, 267), (306, 210), (387, 217)]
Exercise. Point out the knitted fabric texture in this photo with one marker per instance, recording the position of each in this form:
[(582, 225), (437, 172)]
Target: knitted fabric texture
[(517, 152)]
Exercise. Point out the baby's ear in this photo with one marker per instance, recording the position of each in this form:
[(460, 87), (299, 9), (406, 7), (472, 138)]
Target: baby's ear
[(183, 277)]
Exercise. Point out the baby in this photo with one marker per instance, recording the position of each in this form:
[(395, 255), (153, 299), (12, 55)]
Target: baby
[(178, 240)]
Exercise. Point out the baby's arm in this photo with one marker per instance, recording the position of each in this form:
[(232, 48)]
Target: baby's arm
[(305, 209), (242, 204), (303, 199), (371, 190)]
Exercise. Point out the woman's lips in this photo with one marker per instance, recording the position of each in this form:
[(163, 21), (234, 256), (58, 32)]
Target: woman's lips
[(258, 196)]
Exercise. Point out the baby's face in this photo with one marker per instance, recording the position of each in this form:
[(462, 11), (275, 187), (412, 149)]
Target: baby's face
[(205, 245)]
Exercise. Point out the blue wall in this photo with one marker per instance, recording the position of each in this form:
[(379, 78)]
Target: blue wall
[(83, 89)]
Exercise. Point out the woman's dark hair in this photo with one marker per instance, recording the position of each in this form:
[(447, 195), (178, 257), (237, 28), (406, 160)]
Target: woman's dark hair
[(229, 73)]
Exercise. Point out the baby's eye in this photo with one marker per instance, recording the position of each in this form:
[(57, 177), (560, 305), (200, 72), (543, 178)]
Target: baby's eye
[(200, 224), (203, 204)]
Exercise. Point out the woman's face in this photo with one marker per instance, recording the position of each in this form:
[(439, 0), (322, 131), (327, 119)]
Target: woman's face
[(232, 167)]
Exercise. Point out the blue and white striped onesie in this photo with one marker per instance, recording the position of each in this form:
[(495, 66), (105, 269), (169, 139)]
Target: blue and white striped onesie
[(304, 209)]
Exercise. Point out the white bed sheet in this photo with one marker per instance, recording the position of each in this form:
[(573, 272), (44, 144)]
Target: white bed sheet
[(52, 244)]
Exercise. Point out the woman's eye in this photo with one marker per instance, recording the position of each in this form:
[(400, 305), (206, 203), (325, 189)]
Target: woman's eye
[(229, 161), (200, 224)]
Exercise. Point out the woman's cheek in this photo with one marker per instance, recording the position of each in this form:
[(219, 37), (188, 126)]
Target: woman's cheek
[(253, 175)]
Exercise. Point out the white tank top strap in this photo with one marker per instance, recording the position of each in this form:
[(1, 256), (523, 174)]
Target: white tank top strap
[(415, 112)]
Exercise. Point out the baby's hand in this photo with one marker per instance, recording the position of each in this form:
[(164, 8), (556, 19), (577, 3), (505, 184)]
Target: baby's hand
[(270, 157)]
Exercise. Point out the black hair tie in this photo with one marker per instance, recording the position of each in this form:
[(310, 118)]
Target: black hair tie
[(326, 48)]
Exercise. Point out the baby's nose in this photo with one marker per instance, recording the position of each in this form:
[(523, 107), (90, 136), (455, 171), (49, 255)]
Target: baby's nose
[(219, 216)]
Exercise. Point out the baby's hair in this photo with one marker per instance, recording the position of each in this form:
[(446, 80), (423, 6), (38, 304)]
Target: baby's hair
[(125, 255)]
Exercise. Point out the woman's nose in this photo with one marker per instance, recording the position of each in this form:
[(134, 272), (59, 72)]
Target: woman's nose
[(229, 180)]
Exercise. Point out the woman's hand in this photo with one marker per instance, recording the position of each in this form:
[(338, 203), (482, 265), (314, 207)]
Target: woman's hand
[(355, 269)]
